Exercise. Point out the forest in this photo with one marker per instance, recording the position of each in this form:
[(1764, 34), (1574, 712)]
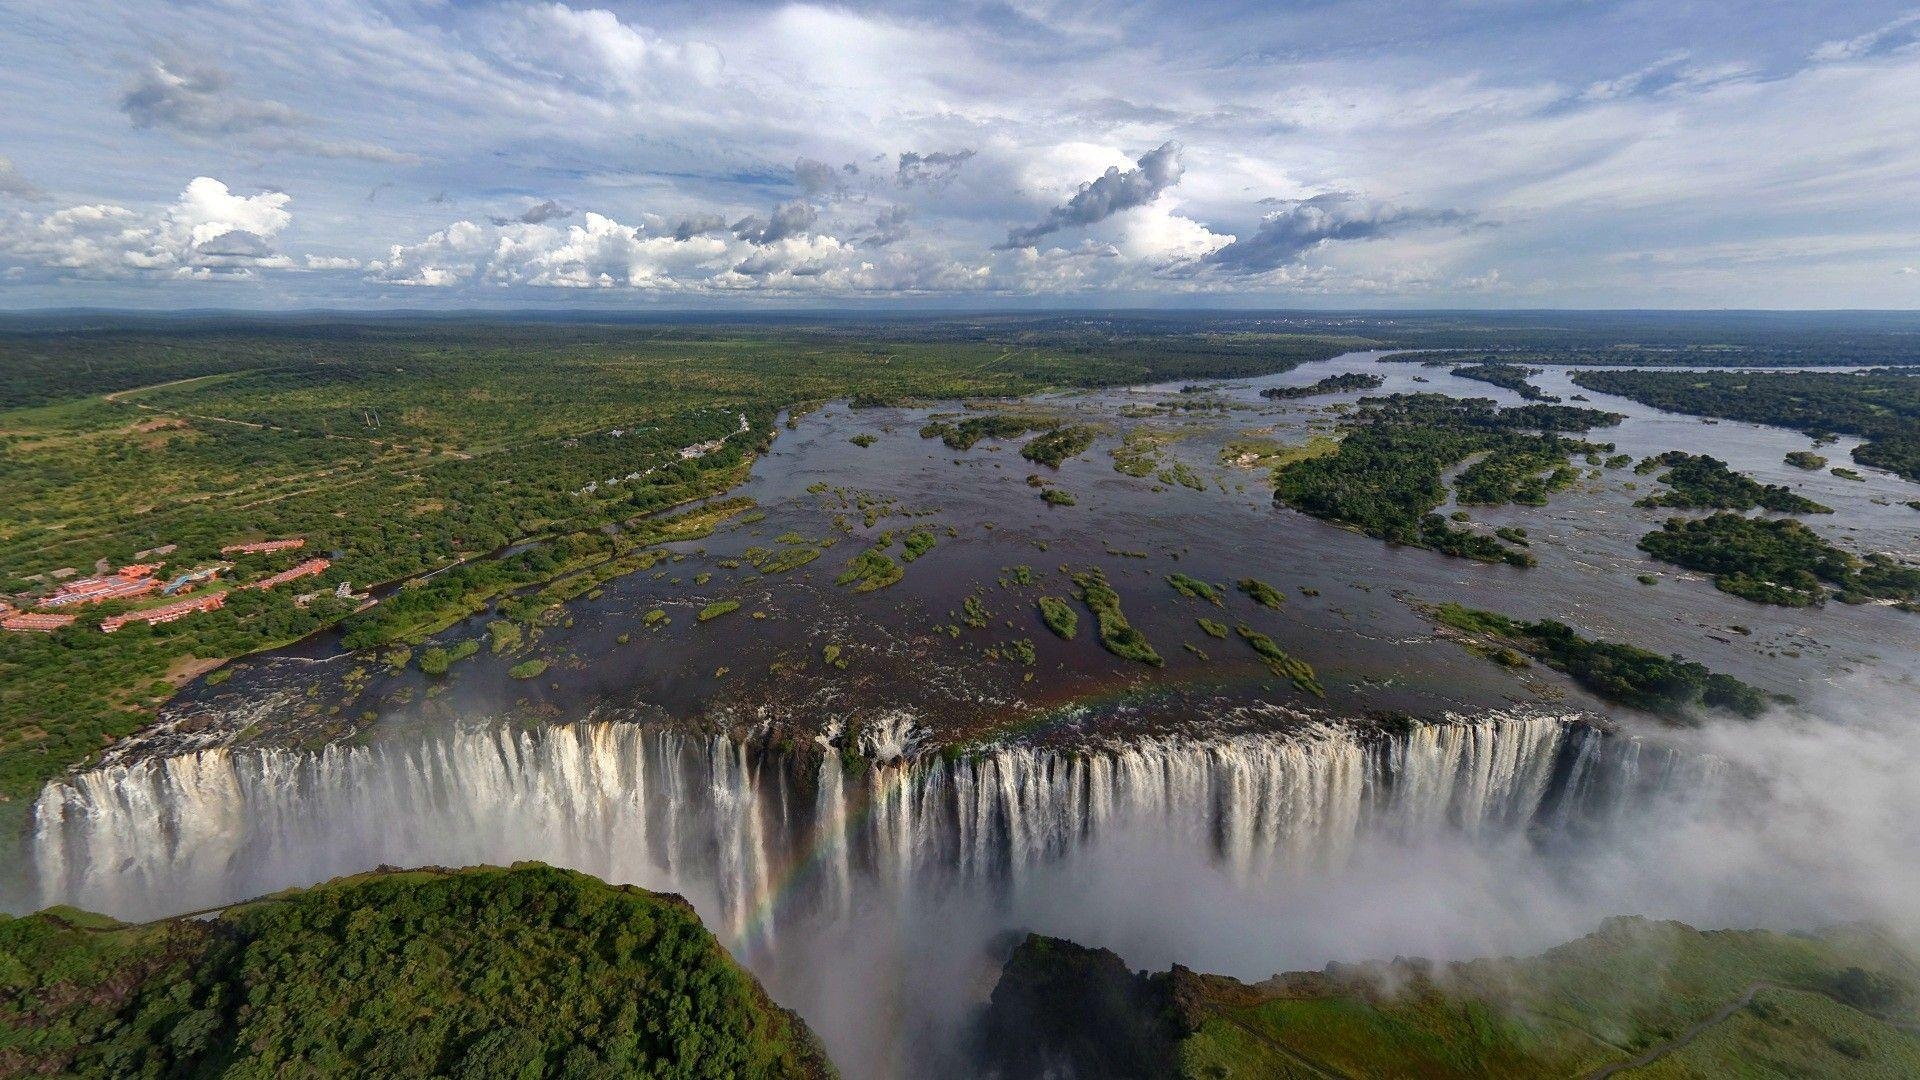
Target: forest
[(1779, 561), (1697, 481), (477, 973), (1386, 477), (1881, 407), (1627, 674)]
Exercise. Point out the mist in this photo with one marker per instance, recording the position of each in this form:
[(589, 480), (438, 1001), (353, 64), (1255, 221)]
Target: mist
[(1813, 820), (1799, 820)]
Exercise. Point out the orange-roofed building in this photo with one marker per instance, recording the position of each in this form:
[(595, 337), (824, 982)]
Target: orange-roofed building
[(305, 569), (165, 613), (37, 622), (262, 546)]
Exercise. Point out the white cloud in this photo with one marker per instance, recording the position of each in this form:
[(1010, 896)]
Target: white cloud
[(209, 231)]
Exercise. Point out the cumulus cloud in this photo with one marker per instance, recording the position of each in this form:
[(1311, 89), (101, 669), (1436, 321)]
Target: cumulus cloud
[(934, 170), (787, 219), (209, 231), (1297, 226), (12, 183), (1115, 190), (595, 50)]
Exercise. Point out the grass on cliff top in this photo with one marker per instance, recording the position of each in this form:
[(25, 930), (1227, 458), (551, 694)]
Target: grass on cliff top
[(1820, 1008), (476, 973), (1694, 1004)]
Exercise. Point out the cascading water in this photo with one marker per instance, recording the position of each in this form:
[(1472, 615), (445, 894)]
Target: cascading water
[(746, 832)]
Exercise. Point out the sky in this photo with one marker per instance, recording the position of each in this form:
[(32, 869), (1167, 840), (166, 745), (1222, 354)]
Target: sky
[(667, 156)]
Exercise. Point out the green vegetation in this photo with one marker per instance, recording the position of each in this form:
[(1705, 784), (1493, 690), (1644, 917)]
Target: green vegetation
[(1059, 444), (475, 973), (503, 636), (1345, 382), (656, 617), (1881, 407), (528, 669), (1262, 593), (436, 660), (871, 569), (1386, 477), (718, 608), (1054, 496), (1282, 663), (1059, 617), (916, 543), (1211, 628), (1668, 685), (1806, 459), (1848, 474), (1779, 562), (1189, 586), (830, 655), (1699, 1003), (863, 440), (967, 433), (1509, 376), (403, 447), (1118, 635), (1702, 482)]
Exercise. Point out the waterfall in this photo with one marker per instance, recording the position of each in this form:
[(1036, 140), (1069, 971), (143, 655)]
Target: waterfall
[(746, 831)]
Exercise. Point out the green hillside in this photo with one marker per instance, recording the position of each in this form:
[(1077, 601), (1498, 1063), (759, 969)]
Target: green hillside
[(474, 973), (1637, 999)]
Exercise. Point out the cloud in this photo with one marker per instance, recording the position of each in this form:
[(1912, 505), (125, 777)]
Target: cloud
[(890, 227), (1114, 191), (934, 170), (326, 262), (693, 225), (1884, 38), (209, 231), (180, 95), (788, 219), (595, 50), (1298, 226), (200, 102), (12, 183), (816, 177), (536, 214), (1910, 270)]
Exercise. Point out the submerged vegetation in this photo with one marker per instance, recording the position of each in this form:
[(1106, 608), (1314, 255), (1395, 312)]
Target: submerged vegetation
[(1059, 617), (1262, 593), (1118, 635), (871, 569), (1059, 444), (474, 973), (1626, 674), (1280, 662), (1187, 585)]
